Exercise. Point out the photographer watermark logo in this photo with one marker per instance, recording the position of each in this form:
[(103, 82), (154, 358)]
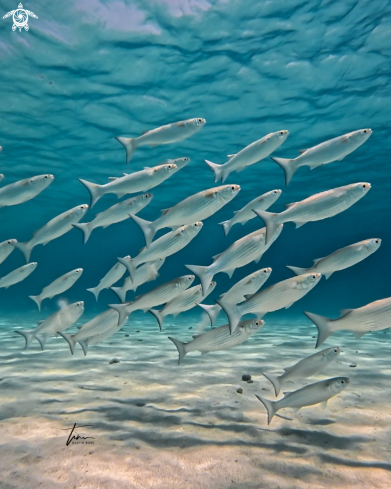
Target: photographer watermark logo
[(20, 17)]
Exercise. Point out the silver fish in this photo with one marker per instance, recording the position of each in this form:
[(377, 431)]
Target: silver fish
[(112, 276), (194, 208), (6, 248), (278, 296), (253, 153), (53, 229), (341, 259), (261, 203), (146, 273), (159, 295), (116, 213), (166, 245), (17, 275), (59, 321), (332, 150), (307, 367), (140, 181), (181, 303), (218, 338), (239, 292), (58, 286), (374, 316), (170, 133), (179, 162), (24, 190), (97, 326), (240, 253), (319, 392), (315, 208)]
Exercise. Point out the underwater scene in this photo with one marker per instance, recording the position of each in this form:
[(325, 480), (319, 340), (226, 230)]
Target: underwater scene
[(195, 244)]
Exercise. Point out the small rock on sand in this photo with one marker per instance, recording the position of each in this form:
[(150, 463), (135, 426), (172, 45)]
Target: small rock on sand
[(114, 360), (246, 377), (239, 391)]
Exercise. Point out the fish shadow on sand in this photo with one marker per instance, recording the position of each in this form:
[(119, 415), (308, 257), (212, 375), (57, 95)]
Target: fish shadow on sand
[(354, 463), (321, 439), (103, 388)]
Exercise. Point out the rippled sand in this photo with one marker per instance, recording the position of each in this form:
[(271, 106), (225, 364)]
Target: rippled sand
[(157, 425)]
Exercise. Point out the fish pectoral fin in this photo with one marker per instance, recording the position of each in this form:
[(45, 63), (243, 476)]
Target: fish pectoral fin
[(181, 124), (257, 259), (328, 275), (340, 192), (344, 312), (313, 166), (299, 224), (323, 404), (164, 211), (216, 256), (344, 139), (290, 205), (317, 260), (289, 305)]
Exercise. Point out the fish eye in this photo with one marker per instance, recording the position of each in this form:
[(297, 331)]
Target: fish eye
[(199, 120), (365, 131), (376, 241), (46, 176), (335, 350), (313, 276), (342, 381), (9, 242), (282, 133), (364, 185), (275, 192), (233, 188)]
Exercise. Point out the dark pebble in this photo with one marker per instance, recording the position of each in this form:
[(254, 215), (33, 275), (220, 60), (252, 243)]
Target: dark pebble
[(191, 327), (353, 365), (140, 404), (114, 360), (250, 381), (139, 340), (239, 391), (126, 335), (246, 377), (264, 389), (138, 331)]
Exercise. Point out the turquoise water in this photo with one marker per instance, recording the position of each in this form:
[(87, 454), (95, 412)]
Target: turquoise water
[(88, 71)]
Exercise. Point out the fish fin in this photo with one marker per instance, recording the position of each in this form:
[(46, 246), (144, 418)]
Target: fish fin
[(113, 178), (158, 315), (229, 272), (297, 270), (25, 248), (226, 226), (146, 227), (28, 335), (84, 345), (301, 151), (216, 256), (83, 226), (345, 312), (129, 144), (290, 205), (275, 380), (144, 132), (323, 404), (257, 259), (358, 335), (37, 300), (299, 224), (120, 293), (195, 336), (231, 156), (129, 265), (247, 296), (218, 171), (345, 139), (70, 339), (271, 407), (233, 314), (289, 305), (94, 189), (317, 260), (313, 166), (269, 219), (164, 211), (41, 338), (323, 325), (212, 310), (181, 347), (95, 290), (203, 274), (328, 275), (121, 309), (288, 165)]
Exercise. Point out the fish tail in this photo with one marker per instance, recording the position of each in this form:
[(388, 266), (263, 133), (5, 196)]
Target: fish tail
[(323, 325), (37, 300), (84, 226), (84, 345), (269, 218), (121, 309), (70, 339), (226, 226), (275, 380), (129, 144), (232, 312), (95, 291), (212, 311), (203, 274), (94, 189), (218, 170), (41, 338), (28, 335), (297, 270), (288, 165), (181, 347), (119, 291), (271, 407), (25, 248), (159, 316), (146, 227), (129, 265)]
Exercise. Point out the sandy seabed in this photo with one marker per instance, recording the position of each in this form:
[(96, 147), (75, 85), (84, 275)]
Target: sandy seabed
[(159, 425)]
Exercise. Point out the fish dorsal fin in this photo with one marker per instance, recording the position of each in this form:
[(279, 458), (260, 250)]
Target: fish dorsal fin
[(113, 178), (144, 132), (141, 249), (196, 336), (299, 224), (164, 211), (317, 260), (79, 327), (126, 174), (286, 393), (145, 168), (216, 256), (345, 312), (247, 296), (288, 369), (290, 205), (235, 212), (231, 156), (40, 322), (301, 151)]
